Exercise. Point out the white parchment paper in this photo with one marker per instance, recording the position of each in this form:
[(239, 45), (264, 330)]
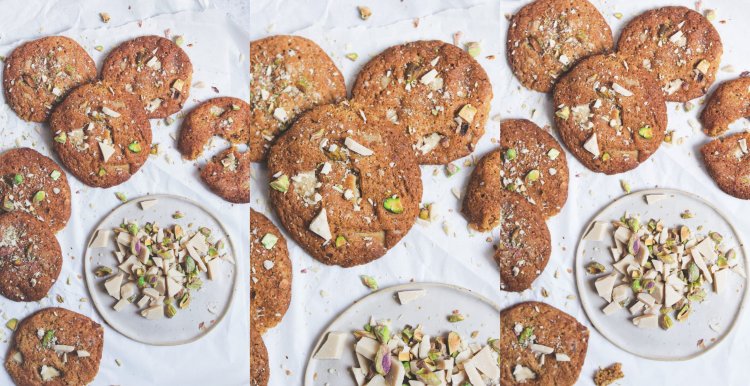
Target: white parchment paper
[(218, 50)]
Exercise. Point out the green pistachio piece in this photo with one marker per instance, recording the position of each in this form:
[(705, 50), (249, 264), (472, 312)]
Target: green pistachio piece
[(135, 147), (456, 317), (184, 301), (369, 282), (595, 268), (523, 338), (269, 240), (563, 113), (18, 179), (684, 312), (133, 228), (352, 56), (646, 132), (553, 154), (340, 241), (280, 184), (451, 169), (55, 175), (636, 285), (48, 338), (121, 196), (179, 40), (606, 157), (716, 237), (393, 204), (383, 333), (511, 154), (625, 186), (39, 196), (666, 322), (171, 311), (533, 175), (102, 172), (102, 271), (177, 215), (61, 138), (12, 324), (474, 49)]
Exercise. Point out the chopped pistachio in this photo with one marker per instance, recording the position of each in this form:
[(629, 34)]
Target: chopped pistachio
[(18, 179), (179, 40), (533, 175), (369, 282), (99, 48), (269, 240), (177, 215), (646, 132), (393, 204), (40, 196), (456, 317), (625, 186), (511, 154), (171, 311), (280, 184), (352, 56), (121, 196), (553, 154), (135, 147), (61, 138), (451, 169), (710, 14), (12, 324), (563, 113), (55, 175), (474, 49), (595, 268)]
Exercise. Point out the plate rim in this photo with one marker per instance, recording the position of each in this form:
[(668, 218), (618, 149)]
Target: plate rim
[(581, 286), (90, 284)]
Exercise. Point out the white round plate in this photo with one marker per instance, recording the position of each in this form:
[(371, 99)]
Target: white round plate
[(208, 305), (710, 321), (431, 311)]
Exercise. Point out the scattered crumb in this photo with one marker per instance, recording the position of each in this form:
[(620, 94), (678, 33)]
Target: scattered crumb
[(609, 375)]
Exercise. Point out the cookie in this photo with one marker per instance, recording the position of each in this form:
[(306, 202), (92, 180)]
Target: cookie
[(679, 46), (35, 184), (344, 185), (534, 165), (154, 69), (481, 204), (30, 257), (730, 102), (226, 117), (228, 175), (55, 346), (270, 273), (259, 369), (434, 92), (524, 247), (40, 73), (610, 115), (728, 162), (102, 136), (529, 331), (288, 76), (548, 37)]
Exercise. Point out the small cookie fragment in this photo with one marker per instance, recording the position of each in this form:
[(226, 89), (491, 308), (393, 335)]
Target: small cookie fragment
[(227, 174), (728, 103), (270, 273), (728, 162), (259, 369), (226, 117), (678, 46), (481, 204), (609, 375), (40, 73), (288, 76), (548, 37), (154, 69)]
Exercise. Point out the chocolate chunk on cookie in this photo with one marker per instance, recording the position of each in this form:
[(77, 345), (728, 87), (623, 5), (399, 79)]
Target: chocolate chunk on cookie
[(35, 184), (228, 175), (101, 135), (524, 243), (548, 37), (55, 346), (730, 102), (728, 162), (533, 329), (434, 92), (40, 73), (344, 184), (676, 44), (481, 204), (259, 369), (270, 273), (288, 76), (534, 165), (226, 117), (154, 69), (30, 257), (610, 115)]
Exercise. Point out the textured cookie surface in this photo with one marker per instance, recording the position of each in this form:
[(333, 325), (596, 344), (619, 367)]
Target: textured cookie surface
[(547, 37), (481, 204), (30, 257), (730, 102), (524, 243), (259, 369), (728, 162), (226, 117), (155, 70), (611, 116), (55, 346), (534, 165), (101, 137), (39, 73), (434, 92), (344, 185), (270, 273), (532, 323), (288, 76), (676, 44), (35, 184), (228, 175)]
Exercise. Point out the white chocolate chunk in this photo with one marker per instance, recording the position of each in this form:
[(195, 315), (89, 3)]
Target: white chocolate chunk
[(356, 147), (148, 204), (654, 198), (621, 90), (320, 227), (101, 239), (333, 346), (107, 151), (112, 285), (611, 308), (592, 145), (604, 286), (405, 297), (646, 321), (721, 277), (597, 231)]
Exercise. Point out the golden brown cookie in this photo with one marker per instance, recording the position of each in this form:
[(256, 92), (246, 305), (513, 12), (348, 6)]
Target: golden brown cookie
[(534, 165), (35, 184), (344, 185), (102, 136), (228, 175), (481, 204), (676, 44), (728, 162), (55, 346), (524, 243), (288, 76), (730, 102), (40, 73), (226, 117), (259, 369), (611, 116), (533, 329), (270, 273), (434, 92), (548, 37), (30, 257), (154, 69)]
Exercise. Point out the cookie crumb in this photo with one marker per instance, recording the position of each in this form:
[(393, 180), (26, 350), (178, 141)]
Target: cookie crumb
[(609, 375)]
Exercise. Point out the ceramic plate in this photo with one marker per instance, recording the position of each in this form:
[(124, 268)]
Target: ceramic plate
[(710, 321)]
